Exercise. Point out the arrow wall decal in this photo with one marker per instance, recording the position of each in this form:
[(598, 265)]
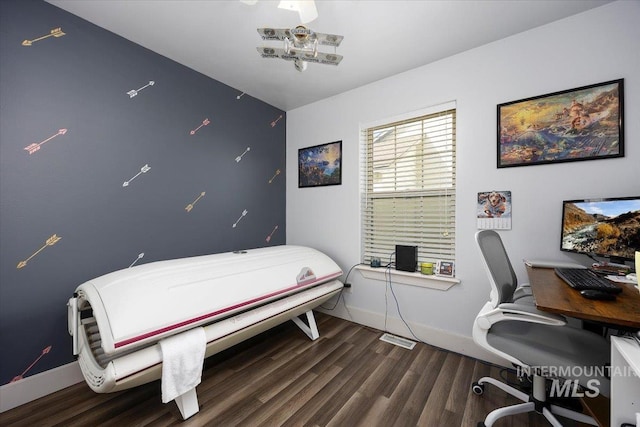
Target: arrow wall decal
[(140, 256), (56, 32), (49, 242), (190, 205), (21, 376), (244, 213), (204, 123), (134, 92), (32, 148), (273, 123), (143, 169), (268, 239), (274, 176), (241, 155)]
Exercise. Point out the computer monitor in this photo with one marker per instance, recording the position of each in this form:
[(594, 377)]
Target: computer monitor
[(608, 228)]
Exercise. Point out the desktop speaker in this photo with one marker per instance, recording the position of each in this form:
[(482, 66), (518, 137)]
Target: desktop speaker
[(406, 258)]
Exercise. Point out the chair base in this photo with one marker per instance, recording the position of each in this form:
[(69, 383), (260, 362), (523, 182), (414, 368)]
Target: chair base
[(536, 402)]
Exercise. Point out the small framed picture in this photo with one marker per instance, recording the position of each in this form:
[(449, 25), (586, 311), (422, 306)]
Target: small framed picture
[(445, 268)]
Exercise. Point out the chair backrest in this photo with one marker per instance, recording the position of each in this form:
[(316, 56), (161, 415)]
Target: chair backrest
[(496, 261)]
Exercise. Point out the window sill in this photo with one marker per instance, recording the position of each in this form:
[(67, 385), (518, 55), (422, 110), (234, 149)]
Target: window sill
[(407, 278)]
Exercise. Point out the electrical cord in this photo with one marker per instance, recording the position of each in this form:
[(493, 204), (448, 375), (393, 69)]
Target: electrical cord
[(395, 298), (388, 281), (336, 303), (346, 278), (340, 296), (387, 272), (400, 313)]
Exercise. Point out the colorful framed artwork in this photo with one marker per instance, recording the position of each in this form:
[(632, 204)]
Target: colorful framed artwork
[(320, 165), (585, 123)]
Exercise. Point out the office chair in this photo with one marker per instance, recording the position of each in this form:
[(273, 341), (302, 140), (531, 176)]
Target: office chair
[(540, 343), (501, 271)]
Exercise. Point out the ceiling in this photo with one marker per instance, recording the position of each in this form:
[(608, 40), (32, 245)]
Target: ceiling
[(218, 38)]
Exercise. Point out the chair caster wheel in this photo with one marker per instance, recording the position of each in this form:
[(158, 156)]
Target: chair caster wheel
[(477, 389)]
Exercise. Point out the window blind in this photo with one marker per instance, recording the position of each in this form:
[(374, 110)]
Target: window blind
[(409, 187)]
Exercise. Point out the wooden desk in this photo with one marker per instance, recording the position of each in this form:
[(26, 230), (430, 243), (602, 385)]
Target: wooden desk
[(552, 294)]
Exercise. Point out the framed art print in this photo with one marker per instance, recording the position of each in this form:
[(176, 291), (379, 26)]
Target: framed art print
[(585, 123), (320, 165)]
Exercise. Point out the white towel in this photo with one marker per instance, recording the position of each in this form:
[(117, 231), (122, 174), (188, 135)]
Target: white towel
[(182, 362)]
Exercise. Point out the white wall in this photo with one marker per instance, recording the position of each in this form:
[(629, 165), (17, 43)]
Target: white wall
[(599, 45)]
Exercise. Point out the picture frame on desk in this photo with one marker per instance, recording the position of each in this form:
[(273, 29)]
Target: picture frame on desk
[(584, 123)]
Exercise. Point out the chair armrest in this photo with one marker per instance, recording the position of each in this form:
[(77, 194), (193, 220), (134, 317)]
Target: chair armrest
[(521, 312), (521, 292), (529, 313)]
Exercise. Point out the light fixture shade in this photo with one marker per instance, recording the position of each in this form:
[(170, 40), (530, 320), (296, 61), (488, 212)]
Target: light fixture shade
[(306, 9)]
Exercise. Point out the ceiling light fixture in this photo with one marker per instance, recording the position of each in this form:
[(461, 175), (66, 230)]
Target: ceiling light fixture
[(300, 46)]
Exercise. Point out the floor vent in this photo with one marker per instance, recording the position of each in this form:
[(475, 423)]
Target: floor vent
[(399, 341)]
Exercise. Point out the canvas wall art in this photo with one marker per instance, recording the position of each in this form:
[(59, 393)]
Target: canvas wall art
[(320, 165), (577, 124)]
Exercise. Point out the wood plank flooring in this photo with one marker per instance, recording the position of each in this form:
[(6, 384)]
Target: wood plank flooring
[(348, 377)]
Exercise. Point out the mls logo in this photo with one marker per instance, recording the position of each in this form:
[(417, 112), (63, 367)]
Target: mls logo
[(571, 388)]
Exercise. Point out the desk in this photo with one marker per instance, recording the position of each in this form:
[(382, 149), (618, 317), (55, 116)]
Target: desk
[(552, 294)]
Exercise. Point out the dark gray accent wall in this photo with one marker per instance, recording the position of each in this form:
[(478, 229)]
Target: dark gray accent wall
[(110, 156)]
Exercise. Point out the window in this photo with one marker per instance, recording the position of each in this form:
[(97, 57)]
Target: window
[(409, 187)]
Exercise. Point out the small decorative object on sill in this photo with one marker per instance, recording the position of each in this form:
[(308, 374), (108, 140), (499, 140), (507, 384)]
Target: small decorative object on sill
[(426, 268)]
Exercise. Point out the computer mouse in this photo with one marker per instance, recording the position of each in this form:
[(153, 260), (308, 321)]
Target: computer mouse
[(594, 294)]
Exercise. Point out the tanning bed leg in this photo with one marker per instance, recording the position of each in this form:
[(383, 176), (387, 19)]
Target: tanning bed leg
[(188, 403), (312, 329)]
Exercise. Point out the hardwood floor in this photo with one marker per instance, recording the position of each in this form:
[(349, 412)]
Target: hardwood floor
[(348, 377)]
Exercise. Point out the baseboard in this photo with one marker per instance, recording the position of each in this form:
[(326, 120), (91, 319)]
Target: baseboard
[(36, 386), (440, 338)]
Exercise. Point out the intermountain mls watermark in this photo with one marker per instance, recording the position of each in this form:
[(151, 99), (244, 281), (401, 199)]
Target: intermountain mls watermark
[(561, 387)]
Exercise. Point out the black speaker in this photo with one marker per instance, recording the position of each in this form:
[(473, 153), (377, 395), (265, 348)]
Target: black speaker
[(406, 258)]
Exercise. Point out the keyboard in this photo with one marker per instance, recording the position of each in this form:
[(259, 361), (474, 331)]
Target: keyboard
[(583, 278)]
